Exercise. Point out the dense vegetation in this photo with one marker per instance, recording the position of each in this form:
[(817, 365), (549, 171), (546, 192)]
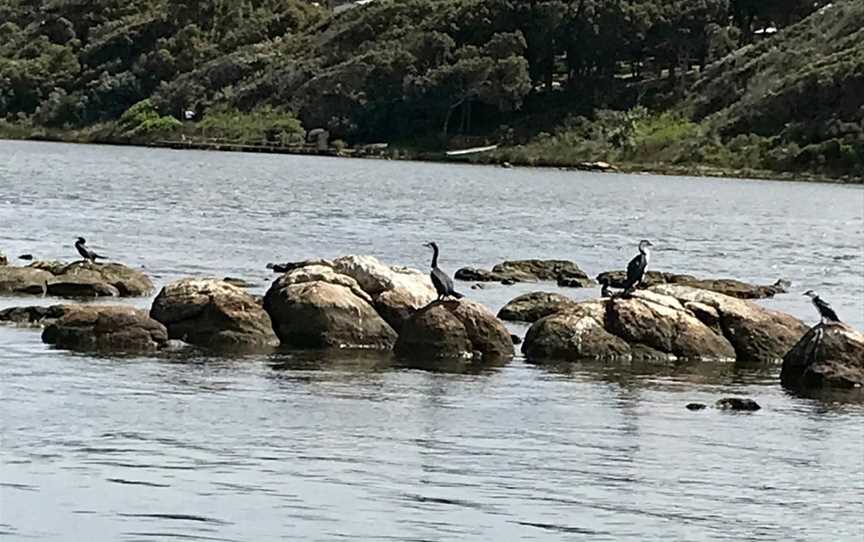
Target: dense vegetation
[(682, 82)]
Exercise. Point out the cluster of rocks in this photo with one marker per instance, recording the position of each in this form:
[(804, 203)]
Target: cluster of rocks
[(74, 280), (350, 302), (730, 287), (564, 272)]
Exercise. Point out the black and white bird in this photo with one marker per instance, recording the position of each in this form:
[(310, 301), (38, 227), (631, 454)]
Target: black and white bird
[(86, 253), (605, 291), (637, 266), (442, 282), (826, 313)]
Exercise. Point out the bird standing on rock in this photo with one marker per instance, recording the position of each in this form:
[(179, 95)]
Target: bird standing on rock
[(85, 252), (827, 314), (442, 282), (637, 266)]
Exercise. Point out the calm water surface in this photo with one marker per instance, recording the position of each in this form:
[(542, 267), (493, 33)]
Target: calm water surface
[(346, 447)]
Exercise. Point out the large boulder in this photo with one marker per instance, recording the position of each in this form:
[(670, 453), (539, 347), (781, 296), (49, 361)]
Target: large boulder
[(23, 280), (730, 287), (214, 314), (534, 306), (454, 329), (79, 279), (666, 322), (512, 271), (756, 333), (106, 328), (396, 292), (829, 355), (319, 308)]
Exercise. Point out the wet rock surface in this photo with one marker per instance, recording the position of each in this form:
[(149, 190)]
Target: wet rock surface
[(829, 355), (33, 315), (737, 403), (104, 328)]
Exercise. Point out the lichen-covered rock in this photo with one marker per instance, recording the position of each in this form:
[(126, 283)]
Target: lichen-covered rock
[(454, 329), (129, 282), (829, 355), (533, 306), (213, 314), (664, 322), (106, 328), (322, 314)]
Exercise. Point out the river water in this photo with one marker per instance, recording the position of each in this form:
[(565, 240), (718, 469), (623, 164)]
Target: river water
[(305, 447)]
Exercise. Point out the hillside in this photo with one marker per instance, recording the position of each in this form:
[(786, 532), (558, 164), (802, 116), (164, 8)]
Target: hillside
[(641, 82)]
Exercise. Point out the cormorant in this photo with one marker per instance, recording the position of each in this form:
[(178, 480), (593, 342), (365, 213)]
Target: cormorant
[(825, 311), (442, 282), (85, 252), (636, 267)]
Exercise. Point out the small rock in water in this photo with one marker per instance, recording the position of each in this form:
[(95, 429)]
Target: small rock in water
[(515, 338), (508, 282), (506, 165), (27, 257), (575, 282), (696, 406), (738, 403), (478, 286)]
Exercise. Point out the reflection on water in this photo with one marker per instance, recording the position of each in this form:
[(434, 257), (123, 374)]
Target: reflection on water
[(324, 445)]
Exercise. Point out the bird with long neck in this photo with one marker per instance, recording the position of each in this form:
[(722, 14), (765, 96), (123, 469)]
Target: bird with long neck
[(440, 280), (86, 253), (826, 313), (637, 266)]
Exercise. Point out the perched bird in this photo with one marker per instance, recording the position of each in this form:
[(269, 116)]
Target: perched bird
[(442, 282), (85, 252), (637, 266), (825, 311)]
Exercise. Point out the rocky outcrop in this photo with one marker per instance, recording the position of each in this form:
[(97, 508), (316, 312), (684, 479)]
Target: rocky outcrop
[(454, 329), (106, 328), (509, 272), (829, 355), (316, 307), (214, 314), (74, 280), (33, 315), (730, 287), (664, 322), (534, 306), (23, 280)]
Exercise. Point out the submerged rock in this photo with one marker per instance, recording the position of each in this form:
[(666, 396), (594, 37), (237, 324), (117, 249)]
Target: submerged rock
[(511, 272), (214, 314), (106, 328), (730, 287), (737, 403), (665, 322), (534, 306), (696, 406), (830, 355), (75, 280), (455, 329)]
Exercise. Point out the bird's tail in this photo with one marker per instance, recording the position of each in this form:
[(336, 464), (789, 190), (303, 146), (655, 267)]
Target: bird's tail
[(99, 257), (457, 295)]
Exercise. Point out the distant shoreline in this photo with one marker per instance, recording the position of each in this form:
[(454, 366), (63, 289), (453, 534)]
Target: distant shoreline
[(404, 154)]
